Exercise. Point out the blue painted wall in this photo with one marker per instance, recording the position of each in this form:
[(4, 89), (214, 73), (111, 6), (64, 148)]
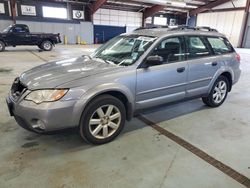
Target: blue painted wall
[(103, 33)]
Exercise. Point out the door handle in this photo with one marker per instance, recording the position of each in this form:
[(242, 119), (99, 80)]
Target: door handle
[(181, 69), (214, 63)]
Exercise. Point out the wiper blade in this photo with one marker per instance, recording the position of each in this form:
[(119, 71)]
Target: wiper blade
[(105, 61), (88, 56)]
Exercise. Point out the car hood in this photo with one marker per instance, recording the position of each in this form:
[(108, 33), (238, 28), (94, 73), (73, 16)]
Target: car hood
[(54, 74)]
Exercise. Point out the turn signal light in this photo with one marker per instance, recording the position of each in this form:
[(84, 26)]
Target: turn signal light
[(237, 57)]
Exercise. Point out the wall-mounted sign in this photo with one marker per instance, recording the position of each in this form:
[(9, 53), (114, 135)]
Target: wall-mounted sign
[(2, 10), (78, 14), (172, 21), (28, 10)]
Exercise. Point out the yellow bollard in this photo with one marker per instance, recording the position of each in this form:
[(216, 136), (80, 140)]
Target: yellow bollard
[(83, 42), (78, 40), (65, 40)]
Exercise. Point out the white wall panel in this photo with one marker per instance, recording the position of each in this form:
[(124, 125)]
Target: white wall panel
[(105, 11), (114, 12), (117, 17), (240, 3), (114, 18), (236, 3), (122, 13), (228, 23)]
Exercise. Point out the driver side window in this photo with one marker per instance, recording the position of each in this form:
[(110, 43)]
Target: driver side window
[(18, 29), (171, 50)]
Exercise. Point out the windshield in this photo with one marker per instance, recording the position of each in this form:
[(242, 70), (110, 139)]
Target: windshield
[(124, 50), (6, 30)]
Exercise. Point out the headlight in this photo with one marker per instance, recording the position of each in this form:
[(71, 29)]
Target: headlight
[(46, 95)]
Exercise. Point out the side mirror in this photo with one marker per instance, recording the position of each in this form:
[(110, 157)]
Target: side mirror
[(153, 60)]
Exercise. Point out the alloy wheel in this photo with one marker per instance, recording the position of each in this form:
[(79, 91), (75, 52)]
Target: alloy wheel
[(47, 46), (220, 91), (105, 121)]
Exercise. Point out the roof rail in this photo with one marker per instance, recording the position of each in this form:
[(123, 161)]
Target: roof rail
[(182, 27), (206, 28), (151, 27), (179, 27)]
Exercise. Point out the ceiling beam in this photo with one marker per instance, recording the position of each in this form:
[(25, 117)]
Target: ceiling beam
[(226, 9), (96, 5), (152, 10), (13, 10), (207, 7)]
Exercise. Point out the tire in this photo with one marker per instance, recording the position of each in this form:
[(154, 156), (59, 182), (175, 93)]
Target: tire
[(47, 45), (2, 46), (218, 93), (39, 46), (104, 128)]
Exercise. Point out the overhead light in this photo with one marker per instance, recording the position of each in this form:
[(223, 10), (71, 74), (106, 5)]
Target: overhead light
[(178, 4), (191, 6)]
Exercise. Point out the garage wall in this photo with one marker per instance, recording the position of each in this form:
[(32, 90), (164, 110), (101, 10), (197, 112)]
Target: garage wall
[(84, 29), (246, 41), (117, 18), (104, 33), (229, 23), (4, 24)]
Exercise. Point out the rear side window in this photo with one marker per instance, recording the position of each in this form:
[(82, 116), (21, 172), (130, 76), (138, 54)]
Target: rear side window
[(219, 45), (196, 47)]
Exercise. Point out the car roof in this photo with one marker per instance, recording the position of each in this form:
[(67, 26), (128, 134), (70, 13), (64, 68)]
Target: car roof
[(161, 32)]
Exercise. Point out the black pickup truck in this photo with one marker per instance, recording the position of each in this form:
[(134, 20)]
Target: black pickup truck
[(19, 34)]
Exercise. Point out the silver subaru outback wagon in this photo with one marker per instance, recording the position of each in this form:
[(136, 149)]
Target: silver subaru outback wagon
[(131, 72)]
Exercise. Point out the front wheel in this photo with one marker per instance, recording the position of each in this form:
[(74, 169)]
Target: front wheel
[(47, 45), (2, 46), (40, 46), (218, 93), (102, 120)]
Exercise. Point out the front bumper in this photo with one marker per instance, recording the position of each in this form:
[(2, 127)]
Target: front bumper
[(52, 116)]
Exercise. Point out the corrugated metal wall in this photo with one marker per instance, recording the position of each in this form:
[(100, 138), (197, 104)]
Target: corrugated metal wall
[(84, 29), (229, 23), (246, 42), (4, 24)]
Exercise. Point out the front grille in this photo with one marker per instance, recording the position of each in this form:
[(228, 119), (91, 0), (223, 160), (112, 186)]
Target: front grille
[(17, 89)]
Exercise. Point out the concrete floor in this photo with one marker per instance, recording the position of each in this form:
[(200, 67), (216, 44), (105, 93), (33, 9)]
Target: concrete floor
[(140, 156)]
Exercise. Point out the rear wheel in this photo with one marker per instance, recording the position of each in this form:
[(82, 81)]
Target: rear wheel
[(47, 45), (218, 93), (2, 46), (102, 120)]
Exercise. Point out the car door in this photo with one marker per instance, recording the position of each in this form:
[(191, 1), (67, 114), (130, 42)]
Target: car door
[(202, 65), (19, 35), (166, 82)]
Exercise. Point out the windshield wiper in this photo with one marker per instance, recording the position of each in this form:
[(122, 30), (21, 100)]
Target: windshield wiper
[(105, 61), (88, 56)]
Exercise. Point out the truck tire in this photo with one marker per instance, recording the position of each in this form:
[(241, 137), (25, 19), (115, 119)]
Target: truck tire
[(2, 46), (47, 45), (39, 46), (102, 120)]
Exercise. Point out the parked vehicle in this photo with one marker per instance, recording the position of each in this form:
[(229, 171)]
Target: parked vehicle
[(131, 72), (19, 34)]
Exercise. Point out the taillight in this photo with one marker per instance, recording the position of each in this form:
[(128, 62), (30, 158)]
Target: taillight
[(237, 57)]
